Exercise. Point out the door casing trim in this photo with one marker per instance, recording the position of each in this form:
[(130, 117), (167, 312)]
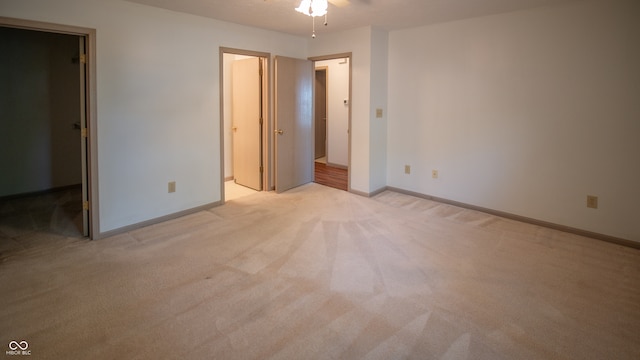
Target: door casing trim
[(267, 127), (349, 56), (90, 98)]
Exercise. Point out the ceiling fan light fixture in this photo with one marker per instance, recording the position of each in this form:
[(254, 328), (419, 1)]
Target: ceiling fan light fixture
[(313, 7)]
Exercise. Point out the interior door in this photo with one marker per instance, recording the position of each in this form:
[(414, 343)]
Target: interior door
[(294, 142), (247, 129), (84, 136)]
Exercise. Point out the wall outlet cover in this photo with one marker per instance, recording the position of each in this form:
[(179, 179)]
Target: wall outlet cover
[(592, 202)]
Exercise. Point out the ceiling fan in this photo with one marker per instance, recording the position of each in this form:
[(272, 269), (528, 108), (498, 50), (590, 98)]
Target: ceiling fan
[(315, 8)]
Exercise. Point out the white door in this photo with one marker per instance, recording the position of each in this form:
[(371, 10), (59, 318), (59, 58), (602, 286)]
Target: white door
[(294, 142), (246, 87)]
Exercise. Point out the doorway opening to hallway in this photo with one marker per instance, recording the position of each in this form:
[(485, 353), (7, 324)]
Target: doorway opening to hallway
[(332, 104)]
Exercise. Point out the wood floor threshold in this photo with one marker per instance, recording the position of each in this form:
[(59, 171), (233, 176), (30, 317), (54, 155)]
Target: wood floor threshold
[(331, 176)]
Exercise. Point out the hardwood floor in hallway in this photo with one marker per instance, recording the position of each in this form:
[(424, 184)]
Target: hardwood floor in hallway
[(331, 176)]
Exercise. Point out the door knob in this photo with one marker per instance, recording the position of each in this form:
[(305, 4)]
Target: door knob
[(279, 131)]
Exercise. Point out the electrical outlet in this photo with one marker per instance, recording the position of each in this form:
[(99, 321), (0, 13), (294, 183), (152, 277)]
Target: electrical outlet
[(407, 169), (434, 174), (592, 202), (172, 186)]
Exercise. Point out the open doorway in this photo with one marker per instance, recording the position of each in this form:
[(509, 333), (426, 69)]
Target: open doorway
[(43, 128), (244, 114), (332, 120), (320, 108)]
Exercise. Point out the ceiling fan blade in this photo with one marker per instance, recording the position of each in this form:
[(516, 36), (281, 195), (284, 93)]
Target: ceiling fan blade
[(339, 3)]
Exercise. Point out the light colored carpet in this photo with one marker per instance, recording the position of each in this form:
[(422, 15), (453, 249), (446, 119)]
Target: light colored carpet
[(318, 273), (55, 212), (234, 191)]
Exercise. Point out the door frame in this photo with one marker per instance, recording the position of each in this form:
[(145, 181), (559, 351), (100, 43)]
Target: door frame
[(324, 69), (349, 56), (267, 127), (91, 170)]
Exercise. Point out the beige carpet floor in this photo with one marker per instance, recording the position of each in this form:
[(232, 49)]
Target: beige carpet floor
[(319, 273), (234, 191), (56, 212)]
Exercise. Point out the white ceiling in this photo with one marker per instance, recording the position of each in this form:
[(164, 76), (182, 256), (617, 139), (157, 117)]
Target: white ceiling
[(279, 15)]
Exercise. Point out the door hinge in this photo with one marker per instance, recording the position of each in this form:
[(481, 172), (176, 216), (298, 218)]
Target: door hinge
[(83, 58), (85, 205), (260, 120), (261, 169), (84, 132)]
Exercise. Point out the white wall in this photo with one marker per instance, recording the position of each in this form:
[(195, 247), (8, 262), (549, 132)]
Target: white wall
[(337, 110), (526, 112), (39, 103), (157, 99), (378, 128)]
